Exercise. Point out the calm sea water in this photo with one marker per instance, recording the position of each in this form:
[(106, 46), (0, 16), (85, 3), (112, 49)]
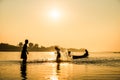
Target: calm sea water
[(41, 66)]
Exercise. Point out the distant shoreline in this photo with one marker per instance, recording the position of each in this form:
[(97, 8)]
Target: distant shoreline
[(5, 47), (20, 51), (53, 51)]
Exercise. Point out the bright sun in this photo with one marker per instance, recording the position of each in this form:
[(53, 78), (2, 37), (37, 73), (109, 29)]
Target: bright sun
[(55, 14)]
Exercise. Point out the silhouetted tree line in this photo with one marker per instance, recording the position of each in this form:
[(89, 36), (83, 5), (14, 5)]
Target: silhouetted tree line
[(31, 47)]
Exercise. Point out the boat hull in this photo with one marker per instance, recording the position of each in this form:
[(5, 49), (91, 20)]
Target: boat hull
[(77, 57), (82, 56)]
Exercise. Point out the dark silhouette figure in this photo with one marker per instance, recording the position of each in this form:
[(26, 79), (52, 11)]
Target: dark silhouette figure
[(58, 68), (69, 53), (24, 51), (86, 53), (58, 54), (83, 56), (23, 70)]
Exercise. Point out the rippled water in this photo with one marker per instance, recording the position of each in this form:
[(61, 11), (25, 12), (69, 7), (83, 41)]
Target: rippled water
[(42, 66)]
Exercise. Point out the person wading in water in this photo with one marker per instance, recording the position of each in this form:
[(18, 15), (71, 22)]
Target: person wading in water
[(58, 54), (24, 51)]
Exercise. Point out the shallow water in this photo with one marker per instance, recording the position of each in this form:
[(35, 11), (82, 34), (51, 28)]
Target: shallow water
[(41, 66)]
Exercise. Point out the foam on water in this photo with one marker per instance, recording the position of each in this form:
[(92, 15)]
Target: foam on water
[(110, 59), (92, 61)]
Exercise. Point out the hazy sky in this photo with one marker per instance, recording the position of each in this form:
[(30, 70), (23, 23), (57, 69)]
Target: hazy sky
[(91, 24)]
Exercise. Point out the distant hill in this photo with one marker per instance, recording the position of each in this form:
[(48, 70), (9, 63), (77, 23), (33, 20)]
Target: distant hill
[(8, 47)]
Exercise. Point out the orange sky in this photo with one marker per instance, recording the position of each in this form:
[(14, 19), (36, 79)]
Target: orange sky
[(91, 24)]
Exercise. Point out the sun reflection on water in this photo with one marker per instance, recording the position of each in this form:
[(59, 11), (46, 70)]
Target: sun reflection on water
[(54, 77), (52, 56), (57, 71)]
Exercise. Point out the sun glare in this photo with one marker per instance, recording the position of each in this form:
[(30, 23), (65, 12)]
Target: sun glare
[(55, 14), (53, 78)]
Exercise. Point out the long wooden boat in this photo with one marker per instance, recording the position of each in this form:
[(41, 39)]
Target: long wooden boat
[(82, 56)]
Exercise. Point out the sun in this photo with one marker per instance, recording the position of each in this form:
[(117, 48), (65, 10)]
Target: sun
[(55, 14)]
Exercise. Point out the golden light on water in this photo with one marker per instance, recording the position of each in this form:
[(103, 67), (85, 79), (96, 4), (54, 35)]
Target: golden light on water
[(53, 78), (52, 53), (52, 56)]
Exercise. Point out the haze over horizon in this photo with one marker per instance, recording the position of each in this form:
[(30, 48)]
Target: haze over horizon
[(91, 24)]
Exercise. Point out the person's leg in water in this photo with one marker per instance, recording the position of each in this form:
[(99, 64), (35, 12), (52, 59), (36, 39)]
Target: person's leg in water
[(24, 60), (58, 59)]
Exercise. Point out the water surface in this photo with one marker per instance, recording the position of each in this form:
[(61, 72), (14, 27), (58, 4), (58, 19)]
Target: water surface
[(41, 66)]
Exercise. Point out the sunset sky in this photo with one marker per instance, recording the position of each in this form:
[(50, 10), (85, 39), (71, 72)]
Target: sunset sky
[(91, 24)]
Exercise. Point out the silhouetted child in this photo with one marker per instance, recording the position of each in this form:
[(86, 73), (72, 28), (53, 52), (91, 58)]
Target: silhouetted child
[(69, 53), (58, 54), (24, 51)]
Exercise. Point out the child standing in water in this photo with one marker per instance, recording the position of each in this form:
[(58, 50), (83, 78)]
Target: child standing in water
[(24, 51), (58, 54)]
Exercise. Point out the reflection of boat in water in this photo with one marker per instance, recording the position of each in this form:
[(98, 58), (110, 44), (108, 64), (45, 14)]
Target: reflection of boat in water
[(82, 56)]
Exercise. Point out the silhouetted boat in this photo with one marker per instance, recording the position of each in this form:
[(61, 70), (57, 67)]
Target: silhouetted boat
[(82, 56)]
